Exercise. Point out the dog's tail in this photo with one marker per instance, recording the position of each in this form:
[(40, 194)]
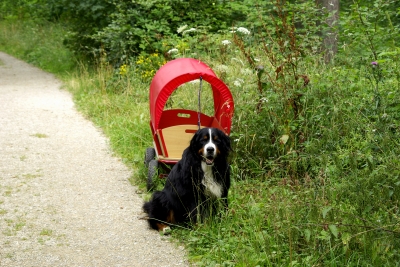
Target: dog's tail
[(147, 207), (157, 209)]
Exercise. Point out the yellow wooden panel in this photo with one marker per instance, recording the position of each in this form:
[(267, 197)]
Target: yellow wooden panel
[(176, 139)]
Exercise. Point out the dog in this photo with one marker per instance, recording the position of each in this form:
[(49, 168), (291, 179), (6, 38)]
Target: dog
[(194, 184)]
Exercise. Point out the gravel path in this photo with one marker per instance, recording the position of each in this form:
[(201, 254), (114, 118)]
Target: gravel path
[(64, 199)]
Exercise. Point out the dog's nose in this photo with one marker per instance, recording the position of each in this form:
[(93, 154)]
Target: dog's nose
[(210, 150)]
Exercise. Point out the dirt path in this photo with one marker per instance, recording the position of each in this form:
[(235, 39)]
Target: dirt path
[(64, 199)]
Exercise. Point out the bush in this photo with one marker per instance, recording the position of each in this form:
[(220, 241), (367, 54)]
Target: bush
[(125, 28)]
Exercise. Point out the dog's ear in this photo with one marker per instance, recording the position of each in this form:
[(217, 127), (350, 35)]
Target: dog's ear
[(194, 141), (226, 141)]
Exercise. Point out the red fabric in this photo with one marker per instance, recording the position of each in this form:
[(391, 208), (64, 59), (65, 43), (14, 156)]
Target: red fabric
[(183, 70)]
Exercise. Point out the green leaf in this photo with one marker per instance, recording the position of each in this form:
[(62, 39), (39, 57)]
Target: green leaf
[(334, 230), (324, 235), (346, 237), (325, 211), (307, 235), (284, 139)]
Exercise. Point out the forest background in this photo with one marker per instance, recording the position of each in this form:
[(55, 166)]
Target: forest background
[(316, 129)]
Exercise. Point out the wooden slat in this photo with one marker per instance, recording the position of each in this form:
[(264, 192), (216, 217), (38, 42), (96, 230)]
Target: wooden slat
[(177, 139)]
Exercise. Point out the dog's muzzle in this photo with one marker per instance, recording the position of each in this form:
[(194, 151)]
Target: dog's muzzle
[(209, 155)]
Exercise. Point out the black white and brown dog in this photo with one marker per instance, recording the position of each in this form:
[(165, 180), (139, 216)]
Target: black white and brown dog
[(195, 183)]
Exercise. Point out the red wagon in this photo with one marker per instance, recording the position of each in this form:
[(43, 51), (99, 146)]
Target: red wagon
[(172, 129)]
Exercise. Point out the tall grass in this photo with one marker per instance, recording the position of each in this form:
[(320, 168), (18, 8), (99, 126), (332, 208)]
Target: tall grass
[(39, 43), (330, 201)]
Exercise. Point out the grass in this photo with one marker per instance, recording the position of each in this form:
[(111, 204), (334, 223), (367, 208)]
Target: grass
[(47, 52), (31, 176), (343, 208), (40, 135), (46, 232)]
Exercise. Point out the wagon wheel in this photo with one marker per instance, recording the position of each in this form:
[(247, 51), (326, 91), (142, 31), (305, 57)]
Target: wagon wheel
[(152, 173), (150, 155)]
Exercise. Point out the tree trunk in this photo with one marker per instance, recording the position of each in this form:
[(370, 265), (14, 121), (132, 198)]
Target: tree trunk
[(330, 35)]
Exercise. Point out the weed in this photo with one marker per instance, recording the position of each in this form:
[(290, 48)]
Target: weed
[(46, 232), (40, 135), (9, 256), (31, 176)]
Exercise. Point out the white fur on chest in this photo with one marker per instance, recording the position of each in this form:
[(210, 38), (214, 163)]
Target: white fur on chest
[(213, 188)]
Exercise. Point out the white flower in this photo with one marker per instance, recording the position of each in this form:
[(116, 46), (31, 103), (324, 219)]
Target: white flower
[(173, 50), (190, 30), (226, 42), (181, 28), (238, 82), (243, 30), (246, 71), (222, 68)]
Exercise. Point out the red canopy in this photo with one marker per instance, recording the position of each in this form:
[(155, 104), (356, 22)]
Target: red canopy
[(183, 70)]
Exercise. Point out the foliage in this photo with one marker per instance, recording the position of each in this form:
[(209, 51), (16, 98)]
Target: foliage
[(126, 28), (148, 64), (37, 43), (17, 9), (316, 169), (85, 18), (370, 26), (282, 85)]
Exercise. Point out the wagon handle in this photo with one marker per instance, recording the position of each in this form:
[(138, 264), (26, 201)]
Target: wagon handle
[(199, 112)]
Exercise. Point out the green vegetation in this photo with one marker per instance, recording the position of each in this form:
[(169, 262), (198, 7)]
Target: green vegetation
[(40, 135), (316, 167), (38, 43)]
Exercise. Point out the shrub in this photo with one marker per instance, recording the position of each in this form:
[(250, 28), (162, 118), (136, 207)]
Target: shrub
[(125, 28)]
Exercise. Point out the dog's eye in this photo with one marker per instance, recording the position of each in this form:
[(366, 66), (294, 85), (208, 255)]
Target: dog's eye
[(205, 137)]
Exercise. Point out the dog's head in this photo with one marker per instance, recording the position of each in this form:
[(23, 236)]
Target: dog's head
[(210, 144)]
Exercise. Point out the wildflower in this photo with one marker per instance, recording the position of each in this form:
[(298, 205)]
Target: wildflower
[(173, 50), (259, 68), (222, 68), (226, 42), (243, 30), (123, 70), (238, 82), (190, 30), (140, 61), (246, 71), (374, 64), (181, 28)]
